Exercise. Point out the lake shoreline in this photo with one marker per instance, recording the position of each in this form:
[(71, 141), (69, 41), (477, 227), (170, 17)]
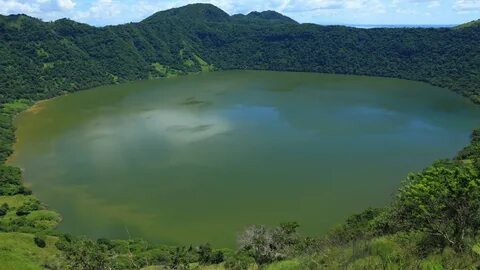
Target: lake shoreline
[(34, 108), (92, 92), (38, 106)]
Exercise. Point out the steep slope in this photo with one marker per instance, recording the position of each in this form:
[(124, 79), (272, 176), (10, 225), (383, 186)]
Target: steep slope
[(39, 59)]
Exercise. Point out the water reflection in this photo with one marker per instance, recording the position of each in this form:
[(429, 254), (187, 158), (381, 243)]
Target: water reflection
[(197, 158)]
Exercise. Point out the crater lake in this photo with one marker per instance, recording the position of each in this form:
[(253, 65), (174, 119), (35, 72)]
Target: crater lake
[(196, 159)]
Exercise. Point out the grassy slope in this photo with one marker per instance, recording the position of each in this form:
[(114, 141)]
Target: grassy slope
[(18, 251), (38, 220)]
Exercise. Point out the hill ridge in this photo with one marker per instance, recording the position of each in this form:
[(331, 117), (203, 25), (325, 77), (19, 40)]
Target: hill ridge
[(43, 59), (474, 23)]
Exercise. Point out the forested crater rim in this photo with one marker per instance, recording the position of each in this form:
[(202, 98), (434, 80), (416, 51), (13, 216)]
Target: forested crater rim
[(210, 12)]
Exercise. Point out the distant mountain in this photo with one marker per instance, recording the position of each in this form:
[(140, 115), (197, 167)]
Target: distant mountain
[(44, 59), (211, 13), (193, 12)]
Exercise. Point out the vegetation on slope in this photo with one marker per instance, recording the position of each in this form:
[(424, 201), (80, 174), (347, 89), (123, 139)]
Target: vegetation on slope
[(433, 222), (43, 59), (19, 251), (475, 23)]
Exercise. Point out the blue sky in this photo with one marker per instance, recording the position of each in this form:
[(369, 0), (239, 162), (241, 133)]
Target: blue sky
[(103, 12)]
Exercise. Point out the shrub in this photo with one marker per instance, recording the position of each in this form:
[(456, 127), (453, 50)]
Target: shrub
[(22, 211), (358, 227), (239, 261), (443, 201), (3, 209), (217, 257), (39, 241), (79, 253), (207, 256), (267, 245), (28, 207)]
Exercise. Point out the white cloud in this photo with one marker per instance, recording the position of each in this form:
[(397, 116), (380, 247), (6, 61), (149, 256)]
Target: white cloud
[(66, 4), (428, 3), (374, 6), (37, 8), (13, 6), (434, 4), (100, 9), (406, 11), (181, 127), (300, 6), (101, 12), (466, 5), (245, 6)]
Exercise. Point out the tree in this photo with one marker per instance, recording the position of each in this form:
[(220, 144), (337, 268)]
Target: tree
[(84, 254), (267, 245), (204, 253), (207, 256), (443, 200)]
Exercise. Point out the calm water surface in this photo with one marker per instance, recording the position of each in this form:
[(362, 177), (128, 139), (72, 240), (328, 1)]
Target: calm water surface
[(198, 158)]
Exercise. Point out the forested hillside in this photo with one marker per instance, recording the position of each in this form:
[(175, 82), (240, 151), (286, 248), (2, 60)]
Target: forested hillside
[(433, 221), (43, 59)]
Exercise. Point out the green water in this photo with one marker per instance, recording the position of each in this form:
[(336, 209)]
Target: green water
[(198, 158)]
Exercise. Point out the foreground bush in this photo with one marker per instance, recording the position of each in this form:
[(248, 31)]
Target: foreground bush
[(443, 201)]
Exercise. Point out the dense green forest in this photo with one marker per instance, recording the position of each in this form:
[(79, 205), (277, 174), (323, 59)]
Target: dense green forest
[(43, 59), (433, 221)]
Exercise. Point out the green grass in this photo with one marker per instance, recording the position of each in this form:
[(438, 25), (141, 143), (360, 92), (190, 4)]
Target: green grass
[(164, 71), (160, 68), (48, 65), (285, 265), (204, 65), (188, 63), (192, 267), (44, 219), (18, 251), (16, 201), (207, 267), (16, 106), (39, 220)]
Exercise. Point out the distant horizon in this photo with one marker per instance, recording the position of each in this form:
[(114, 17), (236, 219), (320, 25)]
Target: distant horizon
[(323, 12), (402, 25), (366, 26), (363, 26)]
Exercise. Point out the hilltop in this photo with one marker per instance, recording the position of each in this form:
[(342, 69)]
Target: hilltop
[(432, 223), (192, 12)]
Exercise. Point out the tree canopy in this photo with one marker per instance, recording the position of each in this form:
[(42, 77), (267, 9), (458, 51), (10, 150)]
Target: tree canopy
[(43, 59)]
